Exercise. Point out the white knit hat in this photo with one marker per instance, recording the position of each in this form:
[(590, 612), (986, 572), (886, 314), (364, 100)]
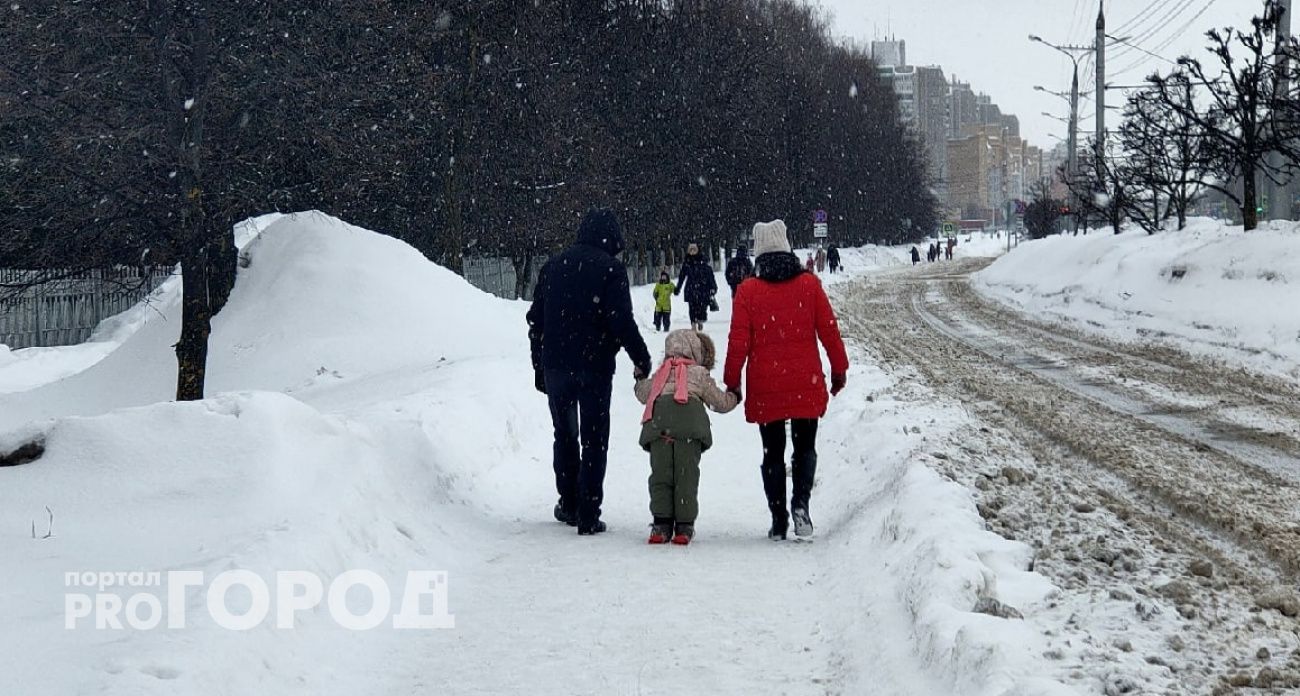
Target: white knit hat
[(770, 237)]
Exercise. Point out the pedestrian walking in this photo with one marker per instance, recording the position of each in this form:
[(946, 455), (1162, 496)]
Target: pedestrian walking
[(738, 269), (777, 322), (580, 318), (916, 255), (833, 258), (663, 294), (697, 282), (821, 259), (675, 430)]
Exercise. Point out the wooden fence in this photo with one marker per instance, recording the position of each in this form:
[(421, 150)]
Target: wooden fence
[(66, 311)]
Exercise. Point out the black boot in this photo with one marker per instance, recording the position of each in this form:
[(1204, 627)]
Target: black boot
[(803, 471), (774, 488), (591, 528), (569, 517)]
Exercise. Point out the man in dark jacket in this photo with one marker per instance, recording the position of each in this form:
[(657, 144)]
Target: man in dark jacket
[(699, 285), (833, 258), (739, 268), (580, 318)]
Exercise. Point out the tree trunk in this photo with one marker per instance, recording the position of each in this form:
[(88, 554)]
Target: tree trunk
[(1249, 203), (523, 266), (196, 326)]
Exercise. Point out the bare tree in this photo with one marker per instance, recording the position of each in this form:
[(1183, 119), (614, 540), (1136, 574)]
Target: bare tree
[(1103, 188), (1167, 153), (1249, 115), (149, 128)]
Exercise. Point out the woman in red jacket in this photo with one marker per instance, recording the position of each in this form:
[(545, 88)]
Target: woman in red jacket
[(778, 318)]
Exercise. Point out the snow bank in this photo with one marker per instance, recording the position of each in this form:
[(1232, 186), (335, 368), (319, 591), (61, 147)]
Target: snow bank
[(1211, 289), (256, 482), (28, 368), (320, 301), (904, 531)]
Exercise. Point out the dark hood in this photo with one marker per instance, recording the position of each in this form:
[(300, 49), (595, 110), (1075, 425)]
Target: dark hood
[(778, 266), (600, 229), (742, 252)]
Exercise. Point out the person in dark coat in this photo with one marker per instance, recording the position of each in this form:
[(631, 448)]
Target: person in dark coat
[(833, 258), (739, 268), (916, 256), (698, 284), (581, 316)]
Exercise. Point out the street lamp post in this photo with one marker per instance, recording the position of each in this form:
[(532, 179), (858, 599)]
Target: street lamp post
[(1071, 166)]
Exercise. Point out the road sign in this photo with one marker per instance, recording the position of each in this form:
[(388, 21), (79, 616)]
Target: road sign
[(820, 217), (949, 229), (821, 230)]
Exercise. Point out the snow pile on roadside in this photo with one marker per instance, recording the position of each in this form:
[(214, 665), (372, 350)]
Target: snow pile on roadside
[(905, 531), (321, 301), (1211, 289)]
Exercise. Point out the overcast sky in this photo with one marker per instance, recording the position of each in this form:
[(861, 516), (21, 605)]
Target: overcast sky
[(985, 42)]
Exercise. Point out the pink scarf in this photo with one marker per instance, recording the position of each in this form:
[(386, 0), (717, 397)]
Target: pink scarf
[(680, 395)]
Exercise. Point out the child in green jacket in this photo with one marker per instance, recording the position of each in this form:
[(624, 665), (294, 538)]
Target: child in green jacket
[(675, 431), (664, 290)]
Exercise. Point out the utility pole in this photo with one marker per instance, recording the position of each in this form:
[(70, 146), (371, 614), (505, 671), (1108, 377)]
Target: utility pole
[(1072, 138), (1280, 195), (1072, 164), (1100, 139)]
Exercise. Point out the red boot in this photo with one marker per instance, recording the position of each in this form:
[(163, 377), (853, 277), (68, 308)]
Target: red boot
[(684, 533), (661, 531)]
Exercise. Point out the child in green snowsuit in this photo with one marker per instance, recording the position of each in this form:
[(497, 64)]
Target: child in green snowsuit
[(664, 290), (675, 431)]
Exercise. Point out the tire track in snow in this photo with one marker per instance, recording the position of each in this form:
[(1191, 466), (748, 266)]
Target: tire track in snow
[(1246, 505)]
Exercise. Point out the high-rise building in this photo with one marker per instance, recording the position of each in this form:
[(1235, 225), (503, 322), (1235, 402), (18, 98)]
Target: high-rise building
[(1011, 124), (976, 160), (962, 109), (932, 122), (923, 106), (902, 79), (970, 161), (892, 53), (988, 113)]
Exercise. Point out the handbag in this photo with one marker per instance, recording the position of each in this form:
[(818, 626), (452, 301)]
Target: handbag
[(713, 304)]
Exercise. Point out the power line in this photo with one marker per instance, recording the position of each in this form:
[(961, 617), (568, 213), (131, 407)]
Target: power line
[(1155, 30), (1139, 17), (1185, 26), (1167, 42)]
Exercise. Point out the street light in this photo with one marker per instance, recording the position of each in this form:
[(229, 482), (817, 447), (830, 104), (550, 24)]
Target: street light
[(1062, 119), (1063, 95), (1073, 123)]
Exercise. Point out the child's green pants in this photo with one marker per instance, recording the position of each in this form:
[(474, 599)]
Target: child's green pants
[(675, 479)]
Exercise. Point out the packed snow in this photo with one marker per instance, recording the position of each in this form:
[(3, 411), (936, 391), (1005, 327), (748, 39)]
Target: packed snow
[(1210, 289), (370, 410)]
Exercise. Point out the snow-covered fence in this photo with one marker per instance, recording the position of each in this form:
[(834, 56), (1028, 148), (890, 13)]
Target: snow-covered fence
[(66, 311), (496, 275)]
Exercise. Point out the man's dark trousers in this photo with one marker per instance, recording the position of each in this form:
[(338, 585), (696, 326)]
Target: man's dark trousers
[(579, 404)]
